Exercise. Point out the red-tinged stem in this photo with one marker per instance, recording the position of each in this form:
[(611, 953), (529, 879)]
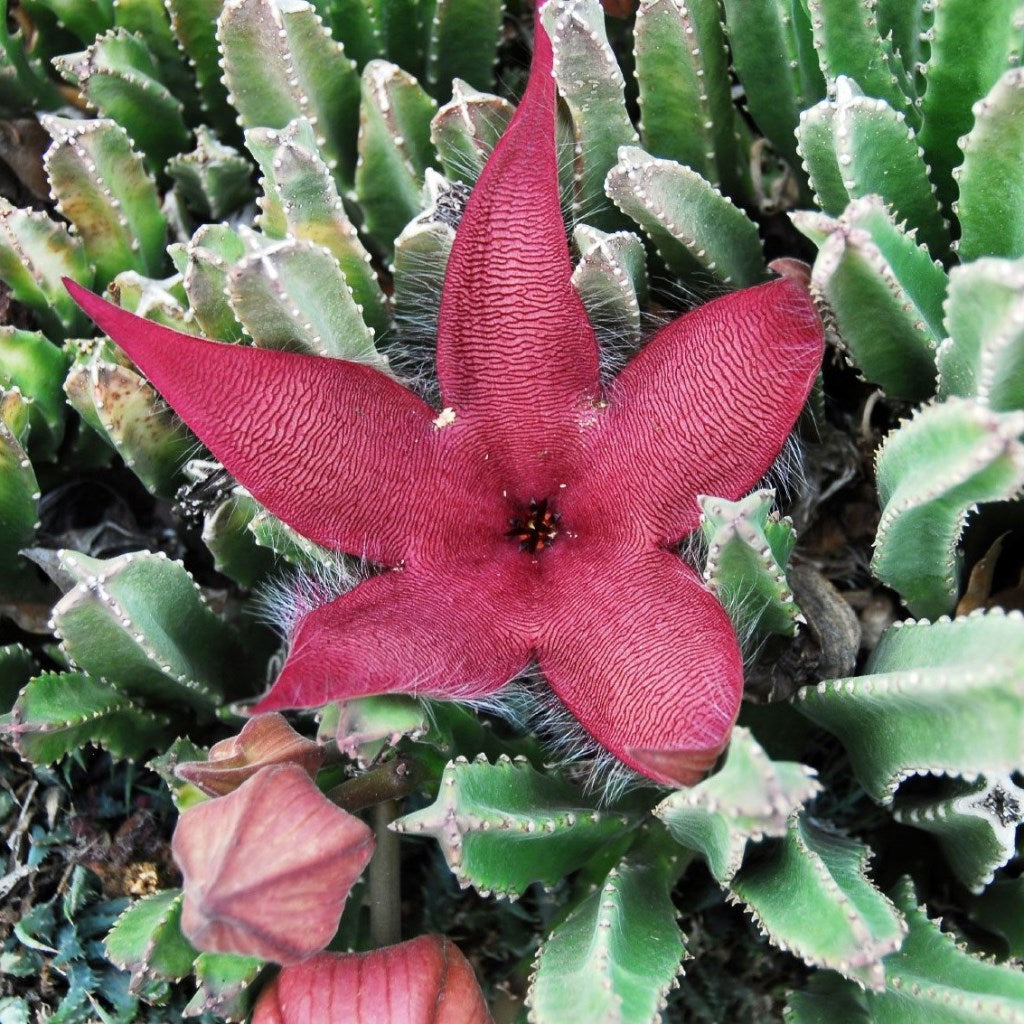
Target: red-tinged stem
[(392, 780)]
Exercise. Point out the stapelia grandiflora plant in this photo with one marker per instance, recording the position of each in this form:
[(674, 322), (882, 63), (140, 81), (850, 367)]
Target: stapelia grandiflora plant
[(294, 175), (533, 517)]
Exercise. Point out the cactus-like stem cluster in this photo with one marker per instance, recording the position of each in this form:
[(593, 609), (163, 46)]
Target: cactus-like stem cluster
[(748, 548), (976, 826), (600, 122), (147, 939), (695, 228), (127, 411), (930, 975), (19, 491), (466, 129), (749, 799), (885, 290), (967, 711), (692, 121), (812, 895), (483, 809), (611, 279), (589, 966)]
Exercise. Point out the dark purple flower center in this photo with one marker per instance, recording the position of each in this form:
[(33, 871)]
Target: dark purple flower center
[(535, 528)]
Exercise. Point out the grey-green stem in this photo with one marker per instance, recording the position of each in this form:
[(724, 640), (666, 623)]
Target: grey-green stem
[(385, 878)]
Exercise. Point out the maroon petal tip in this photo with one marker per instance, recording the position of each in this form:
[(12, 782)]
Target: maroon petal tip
[(794, 270), (679, 768)]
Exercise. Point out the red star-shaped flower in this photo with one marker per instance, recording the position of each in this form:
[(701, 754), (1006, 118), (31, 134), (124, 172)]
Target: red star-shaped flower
[(536, 518)]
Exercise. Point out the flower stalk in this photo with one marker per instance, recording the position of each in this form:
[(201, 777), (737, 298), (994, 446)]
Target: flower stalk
[(385, 878)]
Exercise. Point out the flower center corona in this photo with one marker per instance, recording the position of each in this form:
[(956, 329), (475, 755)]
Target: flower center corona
[(535, 528)]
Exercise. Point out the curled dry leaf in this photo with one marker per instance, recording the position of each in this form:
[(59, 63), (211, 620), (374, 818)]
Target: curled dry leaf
[(264, 740), (267, 868), (425, 981)]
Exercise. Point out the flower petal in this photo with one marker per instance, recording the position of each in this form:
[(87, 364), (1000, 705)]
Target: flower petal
[(339, 451), (264, 740), (703, 409), (456, 634), (425, 981), (516, 355), (644, 656), (267, 869)]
